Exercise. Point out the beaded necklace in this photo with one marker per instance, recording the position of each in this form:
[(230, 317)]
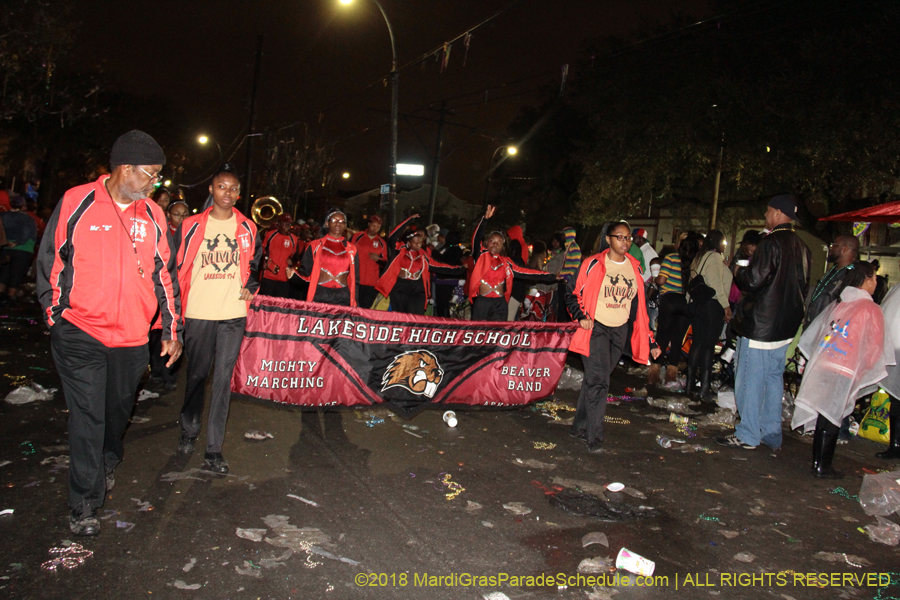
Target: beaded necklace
[(820, 287)]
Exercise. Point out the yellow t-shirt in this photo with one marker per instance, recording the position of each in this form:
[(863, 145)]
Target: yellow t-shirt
[(215, 278), (618, 289)]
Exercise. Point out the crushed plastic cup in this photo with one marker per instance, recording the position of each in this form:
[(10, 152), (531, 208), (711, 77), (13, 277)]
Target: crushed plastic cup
[(634, 563), (450, 418)]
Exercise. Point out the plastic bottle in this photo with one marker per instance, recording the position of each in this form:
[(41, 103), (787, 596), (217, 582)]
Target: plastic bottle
[(664, 441)]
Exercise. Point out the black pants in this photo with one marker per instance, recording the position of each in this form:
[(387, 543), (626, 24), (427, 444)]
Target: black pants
[(297, 288), (607, 344), (489, 309), (443, 293), (367, 295), (562, 312), (336, 296), (671, 326), (209, 344), (13, 271), (274, 288), (99, 384), (706, 321), (408, 296), (158, 368)]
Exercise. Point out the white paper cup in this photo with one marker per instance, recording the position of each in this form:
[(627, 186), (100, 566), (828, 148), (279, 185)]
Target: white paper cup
[(635, 563), (616, 487), (450, 418)]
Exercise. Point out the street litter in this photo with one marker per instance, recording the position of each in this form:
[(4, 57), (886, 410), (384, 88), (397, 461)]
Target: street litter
[(544, 446), (616, 487), (125, 525), (146, 395), (180, 475), (886, 532), (549, 408), (595, 566), (67, 557), (373, 421), (454, 489), (723, 417), (190, 565), (184, 586), (248, 569), (534, 464), (488, 524), (495, 596), (5, 462), (517, 508), (571, 379), (850, 559), (725, 399), (585, 486), (326, 554), (595, 537), (745, 557), (254, 535), (258, 434), (275, 560), (302, 499), (880, 493), (142, 506), (52, 449), (635, 563), (667, 442), (30, 393), (412, 433), (136, 420), (56, 461), (672, 404), (450, 418), (6, 511), (587, 505), (471, 507), (730, 535)]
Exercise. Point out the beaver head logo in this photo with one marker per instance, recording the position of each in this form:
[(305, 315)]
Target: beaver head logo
[(417, 371)]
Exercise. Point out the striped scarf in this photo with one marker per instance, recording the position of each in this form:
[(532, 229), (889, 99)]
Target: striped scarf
[(573, 255)]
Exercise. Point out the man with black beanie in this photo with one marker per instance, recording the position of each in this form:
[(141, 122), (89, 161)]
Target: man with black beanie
[(103, 270)]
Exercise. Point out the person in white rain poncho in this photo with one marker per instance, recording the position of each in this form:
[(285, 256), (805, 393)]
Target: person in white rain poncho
[(890, 306), (848, 347)]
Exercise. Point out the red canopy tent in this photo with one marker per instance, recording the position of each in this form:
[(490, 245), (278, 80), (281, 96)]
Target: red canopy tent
[(889, 212)]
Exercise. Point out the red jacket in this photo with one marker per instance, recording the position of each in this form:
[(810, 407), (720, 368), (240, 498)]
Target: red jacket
[(369, 270), (389, 279), (87, 268), (193, 229), (277, 250), (312, 263), (587, 289)]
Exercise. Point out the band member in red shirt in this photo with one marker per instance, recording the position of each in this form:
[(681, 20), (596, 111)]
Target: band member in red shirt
[(490, 285), (330, 265), (372, 257), (407, 281), (279, 248)]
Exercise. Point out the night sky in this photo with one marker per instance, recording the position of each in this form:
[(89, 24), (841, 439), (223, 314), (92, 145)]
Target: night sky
[(319, 56)]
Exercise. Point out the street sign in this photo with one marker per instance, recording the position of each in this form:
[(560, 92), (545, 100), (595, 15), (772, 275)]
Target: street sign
[(386, 188)]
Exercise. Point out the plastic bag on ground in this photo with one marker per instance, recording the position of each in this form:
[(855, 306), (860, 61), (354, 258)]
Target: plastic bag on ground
[(30, 393), (880, 493), (571, 379), (725, 399), (886, 532)]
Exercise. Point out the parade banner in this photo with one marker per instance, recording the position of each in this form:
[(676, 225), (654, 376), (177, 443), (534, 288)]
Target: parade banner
[(311, 354)]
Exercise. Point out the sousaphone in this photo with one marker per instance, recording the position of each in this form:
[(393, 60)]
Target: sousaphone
[(265, 211)]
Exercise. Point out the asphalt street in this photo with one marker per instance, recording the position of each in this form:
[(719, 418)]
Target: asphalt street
[(362, 504)]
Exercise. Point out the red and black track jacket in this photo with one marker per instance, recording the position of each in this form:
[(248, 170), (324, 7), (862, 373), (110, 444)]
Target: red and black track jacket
[(87, 269), (193, 229)]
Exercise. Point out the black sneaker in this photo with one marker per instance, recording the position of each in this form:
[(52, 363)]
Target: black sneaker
[(732, 441), (186, 444), (578, 435), (215, 463), (110, 479), (84, 524)]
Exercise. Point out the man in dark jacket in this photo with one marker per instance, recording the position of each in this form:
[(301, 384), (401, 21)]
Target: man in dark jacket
[(774, 284)]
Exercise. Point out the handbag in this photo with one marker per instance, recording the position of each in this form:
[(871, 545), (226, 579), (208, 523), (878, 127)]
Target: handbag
[(697, 288)]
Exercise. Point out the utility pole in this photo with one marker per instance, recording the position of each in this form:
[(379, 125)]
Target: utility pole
[(715, 201), (252, 126), (436, 163)]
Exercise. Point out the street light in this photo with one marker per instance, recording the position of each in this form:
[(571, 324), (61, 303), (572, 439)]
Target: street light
[(395, 91), (510, 151), (345, 175)]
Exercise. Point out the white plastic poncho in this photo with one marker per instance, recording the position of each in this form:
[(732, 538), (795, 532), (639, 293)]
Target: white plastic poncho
[(847, 347), (890, 306)]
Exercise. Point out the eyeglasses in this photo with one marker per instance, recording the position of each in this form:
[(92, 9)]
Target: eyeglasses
[(622, 238), (153, 178), (180, 215)]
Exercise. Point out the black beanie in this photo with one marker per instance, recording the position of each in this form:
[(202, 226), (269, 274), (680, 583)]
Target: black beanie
[(136, 148)]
